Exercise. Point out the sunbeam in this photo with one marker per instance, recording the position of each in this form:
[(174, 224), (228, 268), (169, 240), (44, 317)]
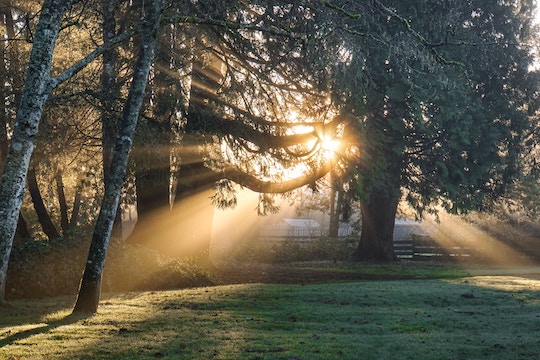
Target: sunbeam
[(452, 232), (232, 227)]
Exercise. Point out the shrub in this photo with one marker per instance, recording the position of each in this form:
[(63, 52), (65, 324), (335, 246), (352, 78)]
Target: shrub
[(175, 274), (135, 267), (128, 266), (291, 249), (42, 268)]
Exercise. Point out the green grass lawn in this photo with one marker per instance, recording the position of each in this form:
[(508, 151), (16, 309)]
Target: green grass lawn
[(493, 317)]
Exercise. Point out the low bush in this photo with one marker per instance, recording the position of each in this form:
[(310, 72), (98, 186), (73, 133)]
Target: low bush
[(128, 266), (291, 249), (177, 274), (42, 268), (135, 267)]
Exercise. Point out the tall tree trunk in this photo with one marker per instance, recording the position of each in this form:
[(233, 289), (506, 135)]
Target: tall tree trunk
[(12, 77), (192, 207), (151, 155), (185, 231), (64, 222), (43, 216), (336, 204), (334, 215), (194, 212), (110, 92), (76, 205), (4, 144), (336, 209), (9, 74), (89, 292), (152, 190), (22, 230), (152, 186), (378, 218), (37, 88)]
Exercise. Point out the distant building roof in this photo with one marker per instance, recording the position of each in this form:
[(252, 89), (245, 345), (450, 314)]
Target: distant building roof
[(406, 222), (302, 223), (403, 229)]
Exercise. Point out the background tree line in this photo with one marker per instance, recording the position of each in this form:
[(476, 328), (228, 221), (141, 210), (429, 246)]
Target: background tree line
[(433, 103)]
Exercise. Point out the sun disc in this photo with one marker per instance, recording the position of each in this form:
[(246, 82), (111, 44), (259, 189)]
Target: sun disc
[(329, 144)]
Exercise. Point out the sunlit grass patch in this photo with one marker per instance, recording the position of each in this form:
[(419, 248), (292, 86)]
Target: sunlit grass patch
[(408, 319), (407, 269), (522, 289), (507, 283)]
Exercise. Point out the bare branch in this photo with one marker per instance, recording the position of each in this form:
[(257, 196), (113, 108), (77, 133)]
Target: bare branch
[(81, 64)]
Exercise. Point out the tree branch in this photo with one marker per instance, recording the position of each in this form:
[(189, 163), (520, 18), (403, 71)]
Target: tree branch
[(274, 187), (263, 139), (81, 64), (421, 39), (274, 30), (341, 10)]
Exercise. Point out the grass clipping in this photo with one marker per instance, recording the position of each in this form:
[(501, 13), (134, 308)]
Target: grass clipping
[(471, 318)]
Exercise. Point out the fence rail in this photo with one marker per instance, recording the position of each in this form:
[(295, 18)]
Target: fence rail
[(422, 247), (413, 247)]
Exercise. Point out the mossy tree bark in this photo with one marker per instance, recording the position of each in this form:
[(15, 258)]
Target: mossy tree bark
[(9, 74), (37, 88), (110, 94), (89, 292), (378, 218)]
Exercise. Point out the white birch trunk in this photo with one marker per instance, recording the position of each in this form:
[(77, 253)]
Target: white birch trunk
[(37, 88), (89, 292)]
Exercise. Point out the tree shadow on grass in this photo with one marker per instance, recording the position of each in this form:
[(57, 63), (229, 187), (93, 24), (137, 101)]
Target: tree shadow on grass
[(42, 328)]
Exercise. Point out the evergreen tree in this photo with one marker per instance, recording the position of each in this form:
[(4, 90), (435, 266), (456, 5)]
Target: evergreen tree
[(439, 116)]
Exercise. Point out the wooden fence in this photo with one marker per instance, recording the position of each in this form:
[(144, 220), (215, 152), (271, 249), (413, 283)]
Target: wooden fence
[(408, 246), (422, 247)]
